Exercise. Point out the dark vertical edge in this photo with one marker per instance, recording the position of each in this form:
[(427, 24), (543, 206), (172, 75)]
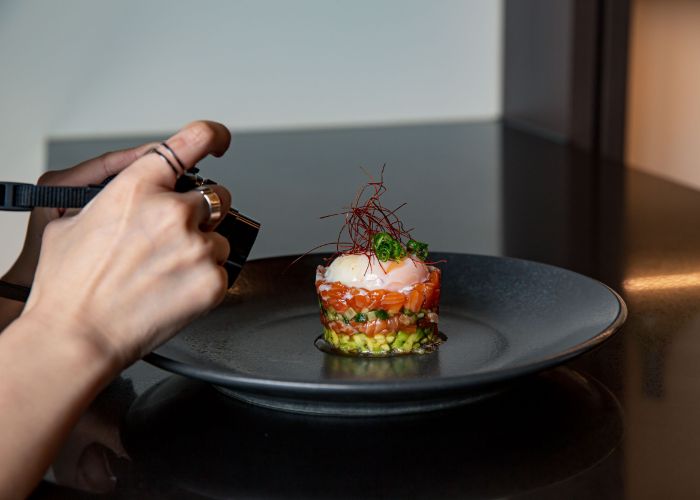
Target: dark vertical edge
[(585, 54), (565, 71), (610, 129), (615, 27), (537, 66)]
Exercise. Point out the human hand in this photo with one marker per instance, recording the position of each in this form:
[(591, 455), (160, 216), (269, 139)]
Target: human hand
[(89, 172), (133, 267), (92, 171)]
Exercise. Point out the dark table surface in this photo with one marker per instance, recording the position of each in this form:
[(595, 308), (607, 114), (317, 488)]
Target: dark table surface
[(619, 422)]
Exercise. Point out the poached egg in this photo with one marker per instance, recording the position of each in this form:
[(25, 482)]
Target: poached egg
[(360, 271)]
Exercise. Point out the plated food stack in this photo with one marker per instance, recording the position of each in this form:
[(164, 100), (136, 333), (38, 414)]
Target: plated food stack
[(363, 320), (379, 296)]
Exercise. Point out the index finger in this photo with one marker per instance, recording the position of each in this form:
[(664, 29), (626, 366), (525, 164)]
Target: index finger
[(187, 147), (97, 169)]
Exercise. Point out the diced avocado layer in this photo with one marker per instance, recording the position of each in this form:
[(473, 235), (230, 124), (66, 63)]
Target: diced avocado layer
[(420, 341)]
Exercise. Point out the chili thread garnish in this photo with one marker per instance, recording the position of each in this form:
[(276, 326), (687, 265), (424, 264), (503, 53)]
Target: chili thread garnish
[(372, 228)]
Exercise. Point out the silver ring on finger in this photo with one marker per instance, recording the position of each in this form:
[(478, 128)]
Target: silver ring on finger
[(214, 205)]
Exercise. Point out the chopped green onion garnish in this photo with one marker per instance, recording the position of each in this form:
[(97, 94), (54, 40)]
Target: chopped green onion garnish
[(360, 318), (381, 314), (387, 248), (417, 248)]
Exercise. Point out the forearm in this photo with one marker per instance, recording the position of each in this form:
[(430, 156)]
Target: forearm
[(118, 279), (49, 372)]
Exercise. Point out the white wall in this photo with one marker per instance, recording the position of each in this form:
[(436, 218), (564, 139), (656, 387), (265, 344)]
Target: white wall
[(97, 67)]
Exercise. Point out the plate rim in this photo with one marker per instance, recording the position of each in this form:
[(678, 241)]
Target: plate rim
[(439, 385)]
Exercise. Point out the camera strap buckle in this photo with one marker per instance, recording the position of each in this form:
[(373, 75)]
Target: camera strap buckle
[(10, 194), (17, 196)]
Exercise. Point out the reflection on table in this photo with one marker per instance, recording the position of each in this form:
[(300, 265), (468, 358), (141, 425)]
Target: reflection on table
[(521, 441)]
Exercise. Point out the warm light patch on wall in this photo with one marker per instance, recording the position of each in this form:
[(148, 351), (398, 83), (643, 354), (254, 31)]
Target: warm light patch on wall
[(663, 107), (662, 282)]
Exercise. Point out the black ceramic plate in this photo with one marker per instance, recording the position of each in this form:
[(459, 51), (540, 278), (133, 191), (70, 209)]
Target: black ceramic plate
[(503, 318)]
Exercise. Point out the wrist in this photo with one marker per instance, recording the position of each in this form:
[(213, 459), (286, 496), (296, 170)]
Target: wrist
[(51, 371), (74, 338)]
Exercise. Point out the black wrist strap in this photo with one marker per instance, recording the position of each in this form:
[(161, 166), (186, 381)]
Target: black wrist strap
[(16, 196), (14, 292)]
